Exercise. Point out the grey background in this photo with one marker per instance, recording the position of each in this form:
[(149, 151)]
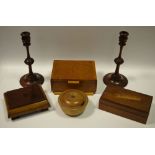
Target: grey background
[(98, 43)]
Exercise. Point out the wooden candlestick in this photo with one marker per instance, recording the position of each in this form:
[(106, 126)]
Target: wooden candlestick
[(116, 78), (30, 78)]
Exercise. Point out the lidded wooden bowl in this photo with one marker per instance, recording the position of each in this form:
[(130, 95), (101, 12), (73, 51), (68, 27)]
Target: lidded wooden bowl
[(73, 102)]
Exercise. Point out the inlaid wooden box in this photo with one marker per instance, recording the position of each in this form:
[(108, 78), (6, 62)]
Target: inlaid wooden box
[(126, 103), (71, 74), (24, 101)]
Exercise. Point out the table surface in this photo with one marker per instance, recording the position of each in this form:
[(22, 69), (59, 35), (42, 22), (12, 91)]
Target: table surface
[(140, 80)]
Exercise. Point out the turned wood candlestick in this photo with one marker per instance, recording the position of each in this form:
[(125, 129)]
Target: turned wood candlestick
[(116, 78), (30, 78)]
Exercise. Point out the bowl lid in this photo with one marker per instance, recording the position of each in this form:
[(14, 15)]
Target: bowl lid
[(73, 98)]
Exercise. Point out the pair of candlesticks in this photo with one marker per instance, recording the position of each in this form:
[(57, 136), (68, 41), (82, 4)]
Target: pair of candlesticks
[(109, 79)]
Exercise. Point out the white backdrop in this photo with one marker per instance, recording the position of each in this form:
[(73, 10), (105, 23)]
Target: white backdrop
[(87, 43)]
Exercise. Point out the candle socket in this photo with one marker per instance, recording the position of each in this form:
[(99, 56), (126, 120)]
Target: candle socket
[(30, 78), (116, 78)]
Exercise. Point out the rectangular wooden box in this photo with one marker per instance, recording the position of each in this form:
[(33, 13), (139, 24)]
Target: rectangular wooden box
[(24, 101), (73, 74), (126, 103)]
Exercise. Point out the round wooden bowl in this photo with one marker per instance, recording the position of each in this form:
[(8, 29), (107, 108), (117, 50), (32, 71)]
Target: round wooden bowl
[(73, 102)]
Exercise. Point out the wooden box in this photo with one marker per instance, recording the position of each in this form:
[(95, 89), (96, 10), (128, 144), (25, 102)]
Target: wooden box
[(24, 101), (70, 74), (126, 103)]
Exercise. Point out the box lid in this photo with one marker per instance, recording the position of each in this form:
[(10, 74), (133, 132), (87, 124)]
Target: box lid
[(24, 96), (73, 70), (127, 98)]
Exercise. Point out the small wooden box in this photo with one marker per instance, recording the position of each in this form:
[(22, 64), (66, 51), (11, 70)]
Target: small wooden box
[(70, 74), (126, 103), (24, 101)]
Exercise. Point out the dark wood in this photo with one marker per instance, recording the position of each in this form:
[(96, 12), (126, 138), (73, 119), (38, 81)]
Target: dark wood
[(71, 74), (116, 78), (126, 103), (30, 78), (24, 101)]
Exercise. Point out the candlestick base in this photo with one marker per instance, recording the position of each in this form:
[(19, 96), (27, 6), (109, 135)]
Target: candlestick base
[(27, 79), (109, 80)]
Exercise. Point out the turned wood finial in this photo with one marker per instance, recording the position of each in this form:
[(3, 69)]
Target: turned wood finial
[(123, 38), (26, 38)]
